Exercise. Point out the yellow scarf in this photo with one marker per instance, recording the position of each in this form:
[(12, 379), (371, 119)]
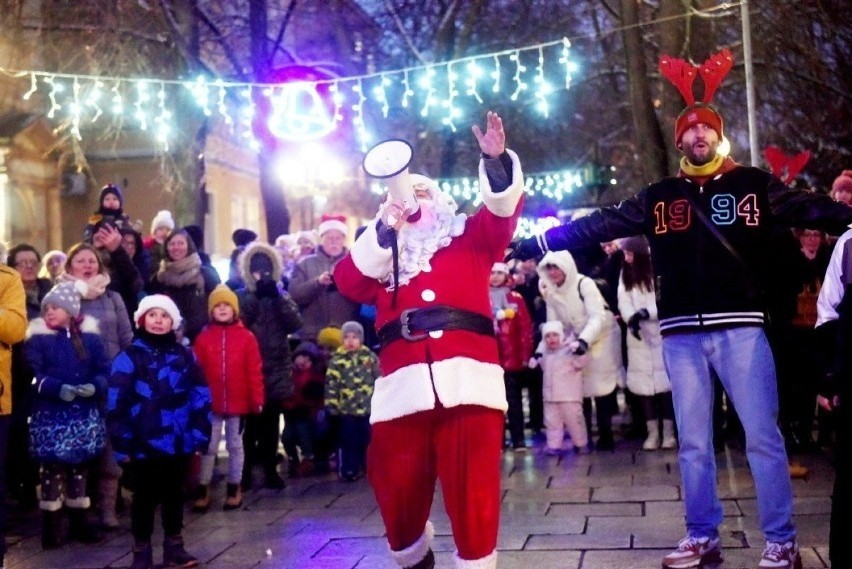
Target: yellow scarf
[(701, 171)]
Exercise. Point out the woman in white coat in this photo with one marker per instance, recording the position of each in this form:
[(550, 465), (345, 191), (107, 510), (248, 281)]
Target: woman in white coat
[(575, 300), (646, 373)]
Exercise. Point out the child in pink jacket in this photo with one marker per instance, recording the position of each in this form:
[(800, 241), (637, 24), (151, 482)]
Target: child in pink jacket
[(563, 388)]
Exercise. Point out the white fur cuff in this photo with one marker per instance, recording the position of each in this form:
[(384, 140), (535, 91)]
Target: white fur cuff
[(78, 503), (369, 257), (50, 505), (487, 562), (503, 204), (414, 553)]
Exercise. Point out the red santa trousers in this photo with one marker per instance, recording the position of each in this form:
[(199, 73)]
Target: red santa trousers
[(460, 446)]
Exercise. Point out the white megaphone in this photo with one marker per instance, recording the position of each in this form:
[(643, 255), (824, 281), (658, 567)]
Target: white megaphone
[(388, 161)]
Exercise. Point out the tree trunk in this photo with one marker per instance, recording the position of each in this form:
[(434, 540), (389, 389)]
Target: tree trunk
[(271, 189), (674, 36), (649, 142)]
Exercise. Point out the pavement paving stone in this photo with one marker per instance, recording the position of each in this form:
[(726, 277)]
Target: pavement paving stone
[(619, 510)]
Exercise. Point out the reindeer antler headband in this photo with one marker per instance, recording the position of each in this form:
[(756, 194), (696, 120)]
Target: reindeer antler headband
[(779, 162), (682, 75)]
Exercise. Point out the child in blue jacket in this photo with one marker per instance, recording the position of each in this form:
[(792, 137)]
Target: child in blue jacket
[(158, 416), (66, 426)]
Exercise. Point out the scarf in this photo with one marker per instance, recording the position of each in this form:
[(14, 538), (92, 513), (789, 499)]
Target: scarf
[(159, 341), (95, 286), (704, 171), (182, 273)]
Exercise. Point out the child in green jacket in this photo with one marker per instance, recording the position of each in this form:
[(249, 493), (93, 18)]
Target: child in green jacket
[(352, 371)]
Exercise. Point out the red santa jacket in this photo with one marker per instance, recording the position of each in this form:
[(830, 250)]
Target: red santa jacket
[(515, 335), (230, 359), (457, 366)]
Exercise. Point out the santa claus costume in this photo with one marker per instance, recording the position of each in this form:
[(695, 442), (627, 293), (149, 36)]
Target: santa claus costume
[(438, 409)]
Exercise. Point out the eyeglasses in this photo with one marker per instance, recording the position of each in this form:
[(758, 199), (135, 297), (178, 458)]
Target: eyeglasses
[(26, 263)]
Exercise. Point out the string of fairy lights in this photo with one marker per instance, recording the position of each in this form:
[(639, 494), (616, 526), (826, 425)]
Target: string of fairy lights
[(311, 109), (302, 110), (556, 185)]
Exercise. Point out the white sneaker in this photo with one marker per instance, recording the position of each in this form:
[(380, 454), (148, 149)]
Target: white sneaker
[(781, 555), (694, 551)]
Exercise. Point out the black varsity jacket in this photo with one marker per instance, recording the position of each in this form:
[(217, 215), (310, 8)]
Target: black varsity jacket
[(700, 284)]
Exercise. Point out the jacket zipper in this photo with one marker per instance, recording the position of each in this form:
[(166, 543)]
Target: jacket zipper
[(701, 281), (224, 366)]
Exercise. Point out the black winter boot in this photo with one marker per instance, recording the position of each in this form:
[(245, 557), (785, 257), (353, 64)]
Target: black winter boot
[(51, 529), (427, 562), (79, 528), (174, 555), (272, 478), (143, 557)]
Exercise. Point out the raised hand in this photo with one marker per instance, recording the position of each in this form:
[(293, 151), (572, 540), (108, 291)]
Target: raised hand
[(493, 142), (107, 237)]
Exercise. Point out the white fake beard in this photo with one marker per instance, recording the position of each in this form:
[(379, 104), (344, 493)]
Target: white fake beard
[(420, 240)]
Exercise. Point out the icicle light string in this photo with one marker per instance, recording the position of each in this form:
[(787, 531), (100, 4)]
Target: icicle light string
[(392, 88), (723, 8)]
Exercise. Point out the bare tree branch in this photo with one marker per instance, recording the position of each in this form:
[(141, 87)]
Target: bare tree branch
[(276, 45), (612, 11), (74, 28), (179, 41), (392, 12)]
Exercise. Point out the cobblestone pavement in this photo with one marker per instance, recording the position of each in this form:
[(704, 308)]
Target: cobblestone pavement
[(616, 510)]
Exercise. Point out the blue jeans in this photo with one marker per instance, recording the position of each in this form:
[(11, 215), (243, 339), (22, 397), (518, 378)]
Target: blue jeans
[(743, 361)]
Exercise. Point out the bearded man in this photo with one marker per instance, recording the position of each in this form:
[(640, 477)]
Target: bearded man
[(437, 410)]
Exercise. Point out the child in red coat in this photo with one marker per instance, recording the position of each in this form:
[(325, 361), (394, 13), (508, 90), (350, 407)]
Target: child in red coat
[(230, 358), (513, 329)]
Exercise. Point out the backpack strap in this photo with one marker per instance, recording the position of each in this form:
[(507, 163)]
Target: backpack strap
[(580, 292)]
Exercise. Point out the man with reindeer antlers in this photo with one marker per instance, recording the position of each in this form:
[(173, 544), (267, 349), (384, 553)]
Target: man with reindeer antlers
[(437, 411), (708, 228)]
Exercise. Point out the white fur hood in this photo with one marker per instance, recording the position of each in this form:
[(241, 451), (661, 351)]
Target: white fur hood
[(38, 327), (259, 248)]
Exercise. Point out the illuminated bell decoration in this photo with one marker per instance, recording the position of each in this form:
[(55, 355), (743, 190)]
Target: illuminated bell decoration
[(299, 113)]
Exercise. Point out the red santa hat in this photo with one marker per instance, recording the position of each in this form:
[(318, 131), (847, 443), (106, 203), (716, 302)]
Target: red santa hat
[(329, 222)]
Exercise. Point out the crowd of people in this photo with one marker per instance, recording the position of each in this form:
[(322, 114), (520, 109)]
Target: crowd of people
[(287, 351), (89, 417)]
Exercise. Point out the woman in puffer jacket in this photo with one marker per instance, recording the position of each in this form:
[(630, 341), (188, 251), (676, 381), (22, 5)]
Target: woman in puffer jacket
[(575, 300), (646, 372)]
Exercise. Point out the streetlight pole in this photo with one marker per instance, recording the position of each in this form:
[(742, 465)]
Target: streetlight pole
[(749, 78)]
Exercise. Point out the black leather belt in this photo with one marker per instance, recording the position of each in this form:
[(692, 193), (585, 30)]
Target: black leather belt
[(414, 324)]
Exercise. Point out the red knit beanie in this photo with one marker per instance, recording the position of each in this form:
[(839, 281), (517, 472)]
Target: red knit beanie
[(843, 182), (698, 113)]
